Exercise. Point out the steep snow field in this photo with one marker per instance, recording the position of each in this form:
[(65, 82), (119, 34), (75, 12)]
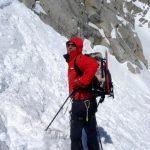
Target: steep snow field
[(144, 33), (33, 85)]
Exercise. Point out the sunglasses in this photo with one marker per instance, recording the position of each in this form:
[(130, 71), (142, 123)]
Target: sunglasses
[(70, 44)]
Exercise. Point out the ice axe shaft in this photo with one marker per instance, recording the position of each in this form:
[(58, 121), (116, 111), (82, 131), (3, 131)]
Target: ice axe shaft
[(60, 109)]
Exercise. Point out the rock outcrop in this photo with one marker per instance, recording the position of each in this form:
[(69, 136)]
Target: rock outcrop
[(106, 22)]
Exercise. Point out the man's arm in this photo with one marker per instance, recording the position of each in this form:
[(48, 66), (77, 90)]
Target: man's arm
[(88, 66)]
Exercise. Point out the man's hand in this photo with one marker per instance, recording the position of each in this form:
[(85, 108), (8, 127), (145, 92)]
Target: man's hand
[(76, 84), (101, 100)]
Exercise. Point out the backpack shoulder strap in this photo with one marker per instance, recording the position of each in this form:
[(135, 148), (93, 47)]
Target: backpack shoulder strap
[(77, 69)]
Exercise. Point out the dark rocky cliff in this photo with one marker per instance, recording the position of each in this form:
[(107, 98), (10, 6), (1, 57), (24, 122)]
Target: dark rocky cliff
[(98, 21)]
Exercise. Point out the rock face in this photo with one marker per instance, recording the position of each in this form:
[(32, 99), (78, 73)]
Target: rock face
[(106, 22)]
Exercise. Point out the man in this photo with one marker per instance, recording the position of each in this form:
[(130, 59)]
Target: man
[(84, 104)]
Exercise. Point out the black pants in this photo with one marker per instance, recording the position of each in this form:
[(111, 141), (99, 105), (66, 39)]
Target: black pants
[(78, 122)]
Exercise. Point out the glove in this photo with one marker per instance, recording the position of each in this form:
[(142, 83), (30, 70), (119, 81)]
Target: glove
[(77, 84), (101, 99)]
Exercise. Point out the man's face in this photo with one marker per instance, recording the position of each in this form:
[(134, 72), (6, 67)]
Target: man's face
[(70, 46)]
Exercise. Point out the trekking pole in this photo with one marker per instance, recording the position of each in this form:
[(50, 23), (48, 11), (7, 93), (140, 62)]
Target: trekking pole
[(60, 109), (99, 138)]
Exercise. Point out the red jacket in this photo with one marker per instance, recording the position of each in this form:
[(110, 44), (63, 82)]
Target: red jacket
[(87, 65)]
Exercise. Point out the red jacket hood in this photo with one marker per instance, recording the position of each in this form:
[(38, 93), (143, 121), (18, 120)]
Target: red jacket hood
[(78, 42)]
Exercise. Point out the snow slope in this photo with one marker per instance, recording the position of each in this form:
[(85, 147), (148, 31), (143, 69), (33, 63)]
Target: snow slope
[(33, 85), (144, 32)]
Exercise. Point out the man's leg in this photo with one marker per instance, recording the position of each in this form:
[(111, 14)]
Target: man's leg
[(90, 129), (76, 134)]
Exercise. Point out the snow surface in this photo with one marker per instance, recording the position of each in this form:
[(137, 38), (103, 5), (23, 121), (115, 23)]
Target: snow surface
[(100, 30), (38, 8), (144, 33), (4, 3), (33, 85), (139, 4), (113, 32), (108, 1), (122, 20)]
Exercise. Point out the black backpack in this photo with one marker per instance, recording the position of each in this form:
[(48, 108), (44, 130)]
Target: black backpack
[(101, 84)]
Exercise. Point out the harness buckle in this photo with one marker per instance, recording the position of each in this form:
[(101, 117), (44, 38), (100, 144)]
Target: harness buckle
[(87, 105)]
